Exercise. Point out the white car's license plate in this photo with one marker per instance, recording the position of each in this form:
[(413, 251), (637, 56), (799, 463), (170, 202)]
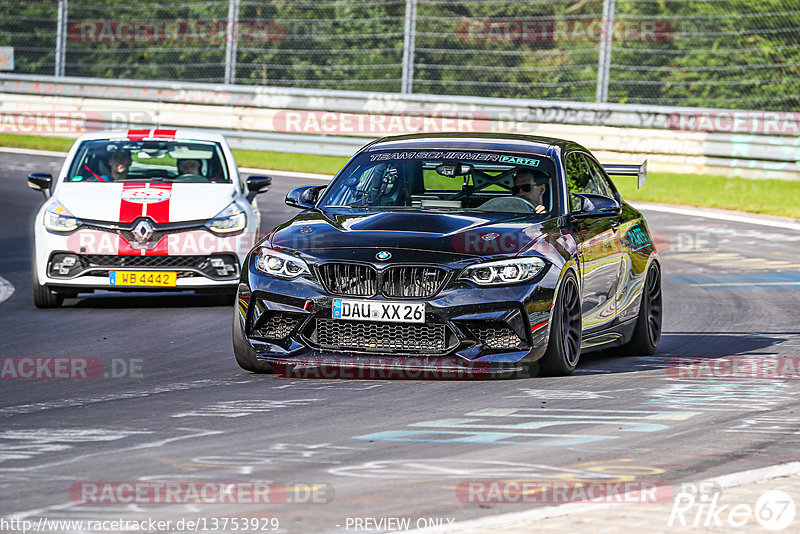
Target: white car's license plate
[(376, 310)]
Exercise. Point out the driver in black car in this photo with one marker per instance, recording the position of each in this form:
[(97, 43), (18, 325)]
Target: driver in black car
[(531, 186)]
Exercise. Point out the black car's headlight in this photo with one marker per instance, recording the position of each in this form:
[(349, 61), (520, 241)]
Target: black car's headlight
[(280, 265), (501, 272), (231, 219), (58, 218)]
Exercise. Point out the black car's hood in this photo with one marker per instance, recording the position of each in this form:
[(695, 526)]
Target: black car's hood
[(454, 234)]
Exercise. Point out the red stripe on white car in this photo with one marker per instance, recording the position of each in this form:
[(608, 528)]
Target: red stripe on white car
[(130, 211), (158, 212), (164, 134), (138, 135)]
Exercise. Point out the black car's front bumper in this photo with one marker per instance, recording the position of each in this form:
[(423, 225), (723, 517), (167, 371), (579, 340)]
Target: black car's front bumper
[(288, 322)]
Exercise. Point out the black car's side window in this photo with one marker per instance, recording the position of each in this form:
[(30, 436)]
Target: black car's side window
[(579, 178), (599, 178)]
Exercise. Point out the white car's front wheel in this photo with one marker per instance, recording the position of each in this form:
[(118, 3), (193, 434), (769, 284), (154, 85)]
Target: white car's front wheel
[(43, 296)]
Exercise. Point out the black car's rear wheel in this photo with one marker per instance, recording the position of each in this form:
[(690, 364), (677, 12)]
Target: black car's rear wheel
[(647, 332), (564, 346)]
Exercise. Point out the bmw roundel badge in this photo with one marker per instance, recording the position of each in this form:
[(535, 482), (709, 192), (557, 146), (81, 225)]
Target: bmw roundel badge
[(383, 255)]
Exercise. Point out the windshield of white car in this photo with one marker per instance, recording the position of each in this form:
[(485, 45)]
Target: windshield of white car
[(149, 161), (446, 181)]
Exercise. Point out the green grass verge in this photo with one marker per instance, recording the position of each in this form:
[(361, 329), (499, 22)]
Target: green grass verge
[(283, 161), (59, 144), (772, 197)]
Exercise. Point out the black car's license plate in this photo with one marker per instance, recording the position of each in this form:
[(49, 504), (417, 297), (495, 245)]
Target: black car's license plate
[(376, 310)]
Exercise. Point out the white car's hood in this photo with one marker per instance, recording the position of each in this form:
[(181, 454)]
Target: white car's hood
[(162, 202)]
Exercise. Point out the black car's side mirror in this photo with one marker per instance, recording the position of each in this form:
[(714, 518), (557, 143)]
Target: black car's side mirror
[(595, 206), (40, 181), (258, 184), (304, 197)]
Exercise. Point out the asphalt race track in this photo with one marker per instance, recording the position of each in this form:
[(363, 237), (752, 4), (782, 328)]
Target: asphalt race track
[(171, 405)]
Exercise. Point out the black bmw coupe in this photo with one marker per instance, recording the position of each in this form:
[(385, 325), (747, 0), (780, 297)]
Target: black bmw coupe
[(453, 252)]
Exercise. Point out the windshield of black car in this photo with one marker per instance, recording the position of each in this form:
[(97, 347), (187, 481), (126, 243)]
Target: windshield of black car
[(149, 161), (417, 179)]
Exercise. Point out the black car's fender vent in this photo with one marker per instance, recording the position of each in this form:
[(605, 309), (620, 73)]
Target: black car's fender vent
[(337, 335), (495, 335), (357, 280), (276, 325)]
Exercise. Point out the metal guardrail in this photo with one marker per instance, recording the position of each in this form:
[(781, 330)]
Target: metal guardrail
[(338, 122)]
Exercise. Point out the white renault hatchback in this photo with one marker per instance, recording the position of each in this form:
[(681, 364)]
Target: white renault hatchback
[(144, 210)]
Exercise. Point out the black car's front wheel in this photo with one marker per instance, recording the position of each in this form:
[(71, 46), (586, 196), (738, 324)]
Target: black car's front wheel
[(647, 332), (564, 346), (243, 352)]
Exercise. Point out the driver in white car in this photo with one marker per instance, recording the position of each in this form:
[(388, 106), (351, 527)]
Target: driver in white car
[(188, 166), (531, 186)]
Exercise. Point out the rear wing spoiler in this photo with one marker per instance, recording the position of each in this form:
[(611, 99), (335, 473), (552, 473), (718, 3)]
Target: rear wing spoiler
[(629, 170)]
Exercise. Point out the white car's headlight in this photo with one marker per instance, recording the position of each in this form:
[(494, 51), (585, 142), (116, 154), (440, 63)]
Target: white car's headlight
[(231, 219), (280, 265), (495, 273), (58, 218)]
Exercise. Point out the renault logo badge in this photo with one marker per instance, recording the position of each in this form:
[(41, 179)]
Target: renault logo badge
[(142, 231), (383, 255)]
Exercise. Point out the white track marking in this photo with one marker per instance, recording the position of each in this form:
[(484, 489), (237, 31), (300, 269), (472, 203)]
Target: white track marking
[(289, 174), (6, 289), (720, 215), (32, 152)]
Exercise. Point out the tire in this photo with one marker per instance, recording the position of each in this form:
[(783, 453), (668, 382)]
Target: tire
[(244, 353), (43, 296), (564, 346), (647, 332), (253, 365)]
